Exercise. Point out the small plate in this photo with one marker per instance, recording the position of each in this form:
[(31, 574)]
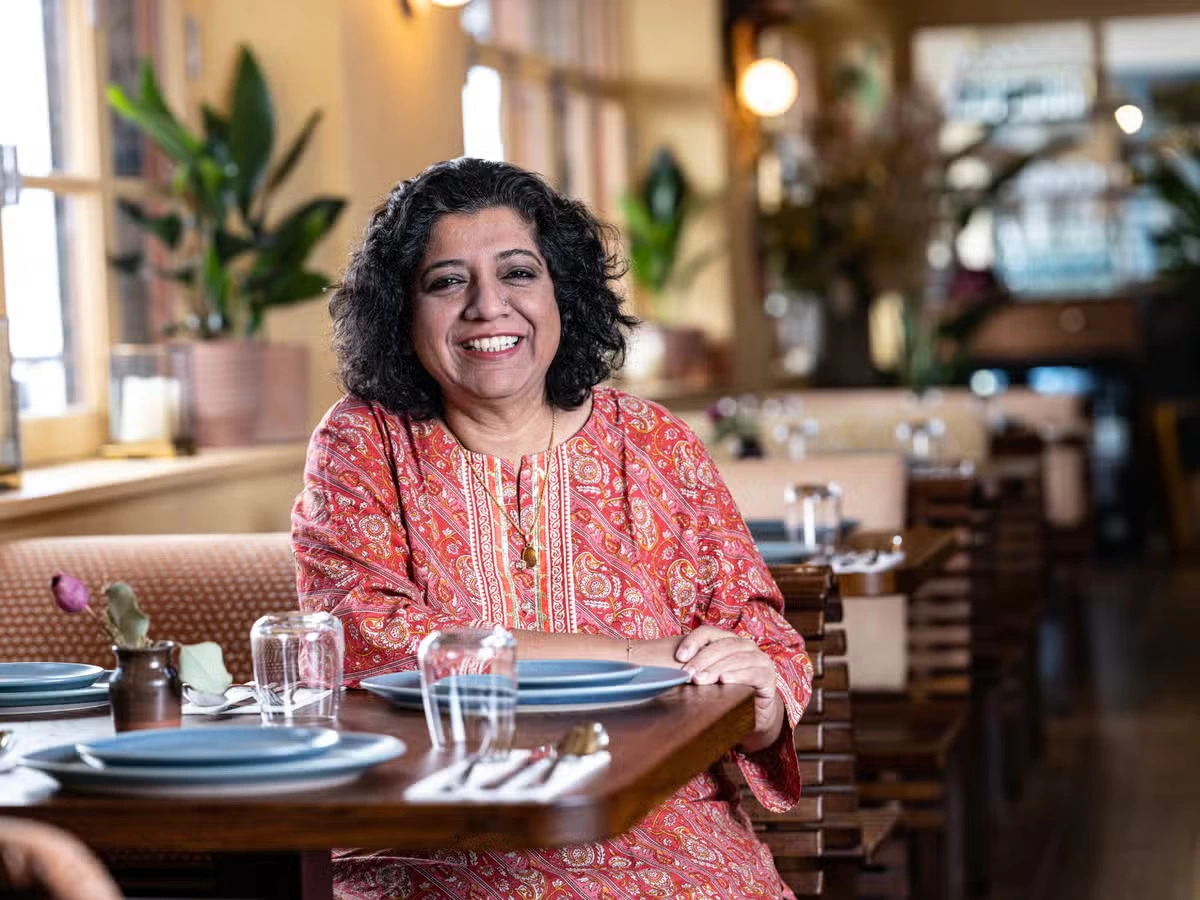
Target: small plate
[(786, 553), (545, 673), (33, 676), (349, 758), (775, 530), (11, 712), (227, 745), (49, 697)]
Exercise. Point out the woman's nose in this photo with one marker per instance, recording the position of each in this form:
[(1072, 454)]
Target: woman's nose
[(487, 301)]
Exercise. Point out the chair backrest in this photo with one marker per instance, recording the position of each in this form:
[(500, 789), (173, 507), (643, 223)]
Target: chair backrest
[(194, 588), (874, 485)]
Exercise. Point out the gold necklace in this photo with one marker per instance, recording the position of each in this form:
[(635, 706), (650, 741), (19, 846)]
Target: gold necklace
[(529, 556)]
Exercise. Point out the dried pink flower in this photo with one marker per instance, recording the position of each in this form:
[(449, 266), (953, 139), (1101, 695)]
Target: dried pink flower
[(70, 593)]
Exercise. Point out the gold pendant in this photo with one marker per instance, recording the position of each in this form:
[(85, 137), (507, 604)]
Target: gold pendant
[(529, 556)]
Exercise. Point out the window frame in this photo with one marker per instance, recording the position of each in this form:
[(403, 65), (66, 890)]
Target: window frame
[(82, 429)]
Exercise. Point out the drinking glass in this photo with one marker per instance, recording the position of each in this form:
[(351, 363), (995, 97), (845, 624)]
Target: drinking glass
[(469, 689), (298, 667), (813, 516), (922, 439)]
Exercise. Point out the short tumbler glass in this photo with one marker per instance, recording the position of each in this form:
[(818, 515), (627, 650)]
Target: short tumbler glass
[(813, 516), (298, 667), (469, 689)]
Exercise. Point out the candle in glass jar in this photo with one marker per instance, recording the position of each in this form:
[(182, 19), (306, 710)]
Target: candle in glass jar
[(149, 407)]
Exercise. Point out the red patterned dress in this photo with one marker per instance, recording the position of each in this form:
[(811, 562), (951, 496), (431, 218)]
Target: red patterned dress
[(638, 537)]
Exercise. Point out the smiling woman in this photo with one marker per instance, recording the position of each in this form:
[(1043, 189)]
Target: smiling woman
[(477, 475)]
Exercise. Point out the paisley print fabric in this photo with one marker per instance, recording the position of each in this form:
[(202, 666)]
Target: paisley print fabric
[(637, 537)]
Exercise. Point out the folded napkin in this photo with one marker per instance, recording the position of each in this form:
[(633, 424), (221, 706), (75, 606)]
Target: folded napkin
[(241, 692), (570, 771), (862, 561)]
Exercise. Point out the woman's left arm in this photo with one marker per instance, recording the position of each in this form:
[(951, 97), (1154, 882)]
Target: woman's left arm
[(739, 636)]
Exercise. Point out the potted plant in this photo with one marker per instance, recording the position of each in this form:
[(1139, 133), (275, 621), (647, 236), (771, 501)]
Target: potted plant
[(145, 690), (656, 216), (232, 257)]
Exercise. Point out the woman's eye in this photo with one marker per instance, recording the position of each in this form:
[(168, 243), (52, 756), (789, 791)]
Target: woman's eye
[(444, 282), (520, 274)]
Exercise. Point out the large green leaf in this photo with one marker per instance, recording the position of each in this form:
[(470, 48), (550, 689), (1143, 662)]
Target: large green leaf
[(251, 128), (290, 243), (151, 114), (230, 246), (297, 286), (287, 162), (168, 227), (127, 263), (215, 281), (294, 287)]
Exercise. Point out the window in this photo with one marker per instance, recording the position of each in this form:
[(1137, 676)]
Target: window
[(545, 92), (76, 160)]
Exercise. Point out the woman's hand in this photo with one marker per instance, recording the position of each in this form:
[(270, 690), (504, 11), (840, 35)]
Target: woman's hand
[(714, 655)]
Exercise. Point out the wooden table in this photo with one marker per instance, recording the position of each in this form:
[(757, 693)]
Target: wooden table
[(656, 749), (926, 550)]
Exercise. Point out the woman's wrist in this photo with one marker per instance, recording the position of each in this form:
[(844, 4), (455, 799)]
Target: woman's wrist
[(762, 738)]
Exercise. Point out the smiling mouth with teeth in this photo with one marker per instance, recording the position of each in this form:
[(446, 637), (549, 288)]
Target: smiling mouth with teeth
[(492, 344)]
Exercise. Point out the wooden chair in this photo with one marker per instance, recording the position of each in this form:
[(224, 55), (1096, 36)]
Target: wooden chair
[(821, 845)]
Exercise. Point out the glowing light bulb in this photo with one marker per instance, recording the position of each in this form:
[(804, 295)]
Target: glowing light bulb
[(1129, 118), (769, 87)]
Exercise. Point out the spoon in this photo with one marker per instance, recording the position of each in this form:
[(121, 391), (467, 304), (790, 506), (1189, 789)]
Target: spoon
[(581, 740)]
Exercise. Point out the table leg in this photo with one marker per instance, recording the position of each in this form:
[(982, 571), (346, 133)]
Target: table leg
[(297, 875)]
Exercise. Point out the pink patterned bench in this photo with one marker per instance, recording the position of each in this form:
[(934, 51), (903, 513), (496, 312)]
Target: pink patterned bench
[(194, 587)]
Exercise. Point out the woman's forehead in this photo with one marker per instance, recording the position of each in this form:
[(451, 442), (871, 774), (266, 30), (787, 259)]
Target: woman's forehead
[(496, 228)]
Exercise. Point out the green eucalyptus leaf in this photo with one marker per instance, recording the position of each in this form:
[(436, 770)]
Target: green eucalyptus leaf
[(251, 128), (125, 615), (203, 667)]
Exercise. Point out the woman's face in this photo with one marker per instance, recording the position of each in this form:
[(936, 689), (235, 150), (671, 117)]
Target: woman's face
[(485, 322)]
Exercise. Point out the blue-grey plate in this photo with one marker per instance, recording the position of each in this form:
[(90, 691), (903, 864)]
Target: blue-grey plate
[(57, 696), (547, 673), (404, 689), (349, 758), (774, 530), (45, 676), (220, 745), (783, 553)]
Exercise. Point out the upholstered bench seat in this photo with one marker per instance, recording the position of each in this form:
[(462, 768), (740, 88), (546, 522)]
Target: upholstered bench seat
[(194, 588)]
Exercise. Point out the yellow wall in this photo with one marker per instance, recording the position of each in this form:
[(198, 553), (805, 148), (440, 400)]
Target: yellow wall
[(389, 87)]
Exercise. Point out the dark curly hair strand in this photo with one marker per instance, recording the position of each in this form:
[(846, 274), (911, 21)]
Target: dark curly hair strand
[(372, 308)]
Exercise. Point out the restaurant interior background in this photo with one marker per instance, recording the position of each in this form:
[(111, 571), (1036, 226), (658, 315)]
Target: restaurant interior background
[(853, 225)]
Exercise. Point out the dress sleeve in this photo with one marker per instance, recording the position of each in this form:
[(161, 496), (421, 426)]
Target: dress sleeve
[(736, 592), (352, 552)]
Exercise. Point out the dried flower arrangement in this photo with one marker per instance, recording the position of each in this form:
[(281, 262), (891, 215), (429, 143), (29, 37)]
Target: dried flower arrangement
[(125, 623)]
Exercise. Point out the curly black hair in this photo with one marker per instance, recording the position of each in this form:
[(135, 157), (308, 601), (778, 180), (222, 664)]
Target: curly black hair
[(372, 308)]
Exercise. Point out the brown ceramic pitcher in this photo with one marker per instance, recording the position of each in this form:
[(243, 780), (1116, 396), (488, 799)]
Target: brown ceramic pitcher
[(145, 691)]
